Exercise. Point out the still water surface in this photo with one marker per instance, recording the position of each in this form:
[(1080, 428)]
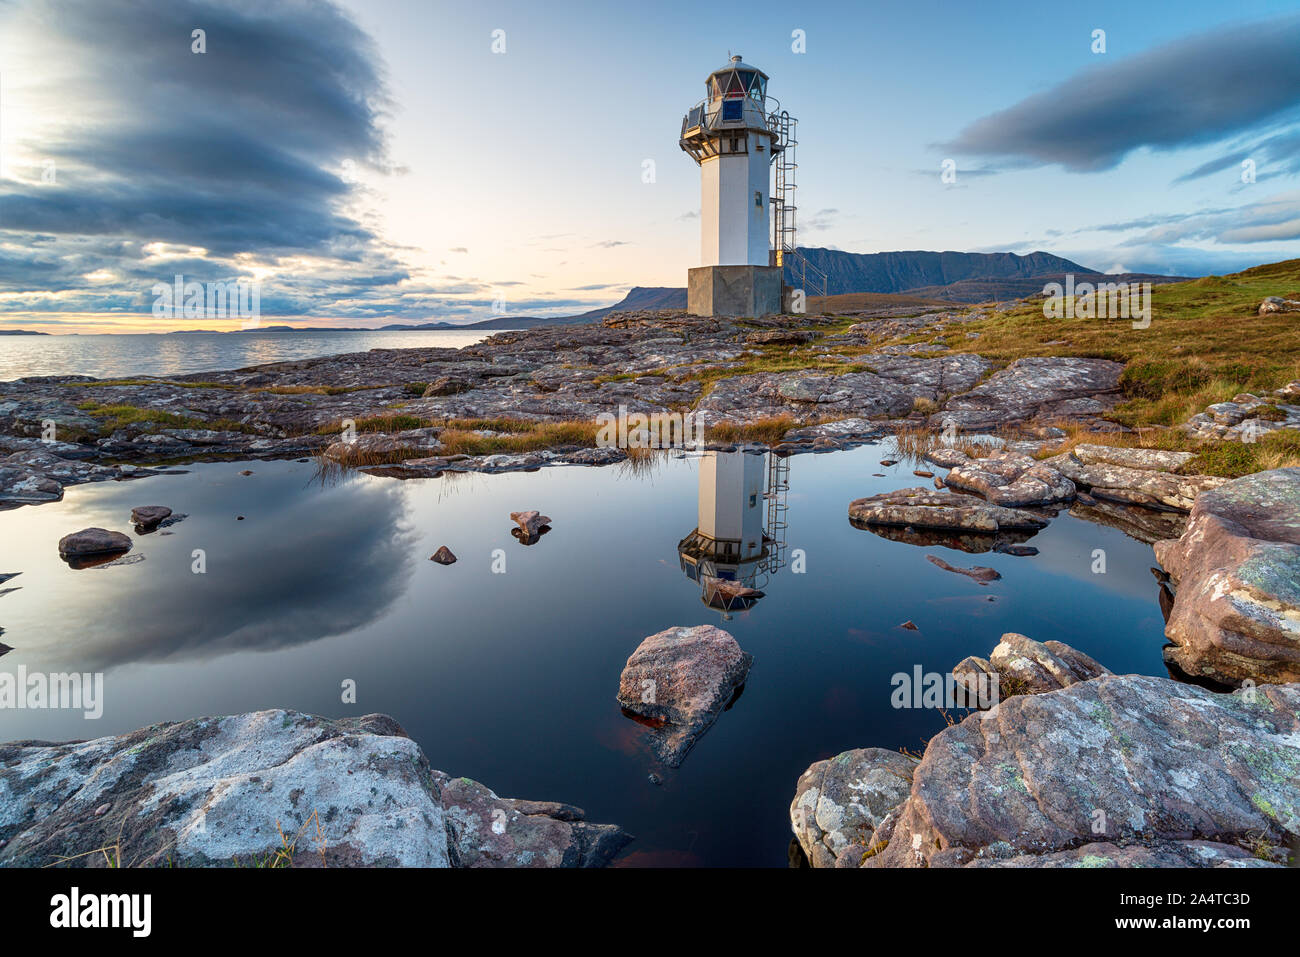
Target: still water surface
[(119, 356), (511, 678)]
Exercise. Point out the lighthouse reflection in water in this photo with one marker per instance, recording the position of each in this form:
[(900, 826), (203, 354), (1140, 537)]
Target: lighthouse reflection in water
[(738, 543)]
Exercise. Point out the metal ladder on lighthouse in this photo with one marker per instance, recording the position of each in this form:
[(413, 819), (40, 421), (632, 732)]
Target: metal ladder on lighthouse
[(776, 524), (799, 272)]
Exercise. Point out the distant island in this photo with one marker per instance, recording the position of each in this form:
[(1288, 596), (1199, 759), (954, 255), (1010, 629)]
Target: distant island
[(22, 332)]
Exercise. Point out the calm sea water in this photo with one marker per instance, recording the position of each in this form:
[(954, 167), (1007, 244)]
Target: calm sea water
[(510, 678), (119, 356)]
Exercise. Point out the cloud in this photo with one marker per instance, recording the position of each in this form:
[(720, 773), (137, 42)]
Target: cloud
[(238, 162), (1193, 92), (819, 221), (609, 244), (1269, 220)]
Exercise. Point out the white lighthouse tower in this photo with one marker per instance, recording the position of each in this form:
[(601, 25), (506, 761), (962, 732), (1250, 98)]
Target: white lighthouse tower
[(734, 140)]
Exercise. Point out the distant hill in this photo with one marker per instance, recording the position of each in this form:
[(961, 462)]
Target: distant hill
[(916, 270), (21, 332), (638, 297)]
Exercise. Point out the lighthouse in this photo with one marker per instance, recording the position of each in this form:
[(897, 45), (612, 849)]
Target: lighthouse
[(734, 140), (738, 541)]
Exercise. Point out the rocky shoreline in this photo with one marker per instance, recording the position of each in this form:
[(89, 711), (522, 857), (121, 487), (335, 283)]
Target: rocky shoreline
[(272, 789), (57, 431), (1178, 776)]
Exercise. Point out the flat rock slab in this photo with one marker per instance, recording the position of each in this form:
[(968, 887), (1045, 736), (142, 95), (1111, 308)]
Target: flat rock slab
[(1157, 460), (1036, 388), (21, 486), (1236, 610), (217, 791), (490, 831), (1148, 487), (930, 508), (678, 682), (1165, 761), (839, 803)]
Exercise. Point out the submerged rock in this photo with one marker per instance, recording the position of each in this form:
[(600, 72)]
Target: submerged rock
[(240, 789), (980, 573), (532, 524), (727, 594), (929, 508), (678, 682), (1236, 609), (148, 516), (93, 542), (839, 803)]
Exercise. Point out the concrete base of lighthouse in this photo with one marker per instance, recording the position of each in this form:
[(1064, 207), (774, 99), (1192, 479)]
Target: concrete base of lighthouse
[(748, 292)]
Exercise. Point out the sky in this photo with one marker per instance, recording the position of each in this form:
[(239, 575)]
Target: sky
[(385, 161)]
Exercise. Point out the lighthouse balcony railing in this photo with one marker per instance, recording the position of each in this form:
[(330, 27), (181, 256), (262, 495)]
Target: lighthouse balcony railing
[(737, 112)]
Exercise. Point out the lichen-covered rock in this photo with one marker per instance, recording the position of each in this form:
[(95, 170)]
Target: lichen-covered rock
[(1236, 610), (20, 486), (1133, 458), (678, 682), (929, 508), (1153, 487), (1048, 388), (216, 791), (839, 802), (1011, 479), (488, 831), (375, 446), (1127, 760), (269, 785), (1273, 304), (1025, 666), (1104, 854)]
